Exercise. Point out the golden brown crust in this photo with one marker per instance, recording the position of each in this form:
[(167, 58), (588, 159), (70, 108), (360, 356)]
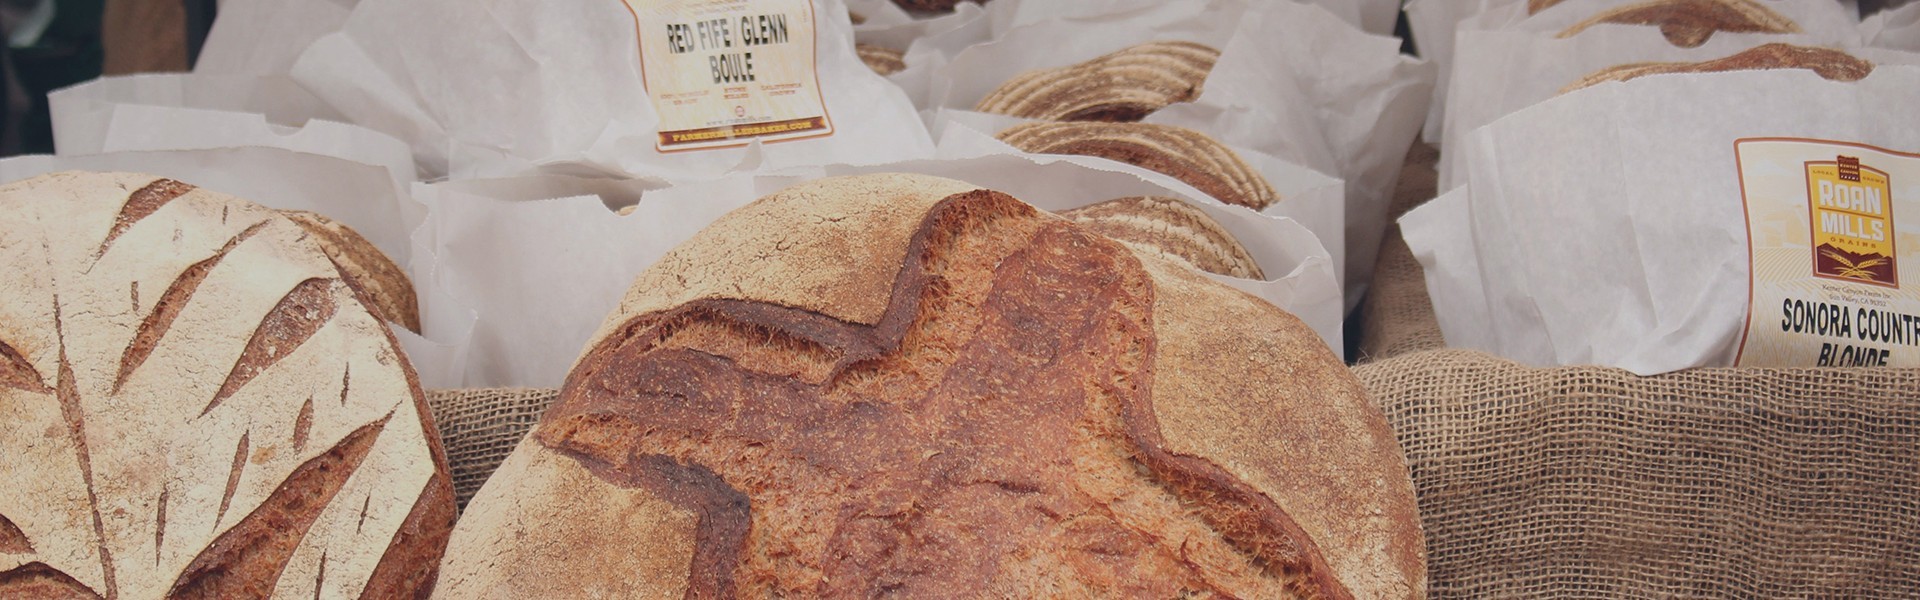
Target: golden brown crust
[(1184, 154), (384, 286), (1171, 229), (883, 60), (997, 425), (1123, 86), (1832, 64), (1688, 23)]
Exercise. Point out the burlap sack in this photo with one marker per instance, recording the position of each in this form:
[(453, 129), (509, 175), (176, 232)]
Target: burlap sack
[(479, 427), (1593, 482), (1397, 316)]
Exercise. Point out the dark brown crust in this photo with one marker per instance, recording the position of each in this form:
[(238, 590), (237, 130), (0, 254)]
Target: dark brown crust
[(12, 540), (1834, 65), (141, 204), (246, 561), (411, 563), (17, 373), (37, 581), (621, 409), (720, 535), (381, 285), (301, 313), (932, 6), (1689, 23)]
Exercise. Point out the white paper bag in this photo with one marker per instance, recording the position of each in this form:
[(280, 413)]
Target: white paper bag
[(1608, 226), (196, 111), (1292, 81), (1898, 28), (539, 276), (1503, 71), (265, 37), (494, 87), (1437, 24), (1314, 200)]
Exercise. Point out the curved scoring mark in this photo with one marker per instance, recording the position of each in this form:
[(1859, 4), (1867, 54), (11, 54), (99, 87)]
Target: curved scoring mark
[(299, 315), (38, 580), (12, 540), (75, 418), (17, 373), (142, 203), (233, 478), (174, 300), (257, 548)]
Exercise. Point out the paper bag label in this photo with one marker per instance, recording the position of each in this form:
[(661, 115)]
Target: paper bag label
[(723, 72), (1825, 242)]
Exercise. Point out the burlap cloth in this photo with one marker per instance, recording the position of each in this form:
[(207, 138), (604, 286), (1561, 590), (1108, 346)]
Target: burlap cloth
[(480, 427), (1396, 317)]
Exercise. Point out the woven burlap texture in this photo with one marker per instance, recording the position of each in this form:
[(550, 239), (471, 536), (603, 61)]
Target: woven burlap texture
[(1585, 482), (480, 427), (1397, 315)]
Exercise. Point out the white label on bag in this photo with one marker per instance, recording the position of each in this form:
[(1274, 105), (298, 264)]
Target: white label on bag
[(723, 72), (1833, 235)]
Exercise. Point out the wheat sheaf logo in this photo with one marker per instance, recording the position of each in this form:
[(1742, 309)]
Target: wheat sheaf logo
[(1852, 222)]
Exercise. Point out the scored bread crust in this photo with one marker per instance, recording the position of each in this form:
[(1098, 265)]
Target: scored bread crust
[(722, 430), (883, 60), (382, 285), (1123, 86), (1831, 64), (1170, 229), (196, 405), (1184, 154), (1689, 23)]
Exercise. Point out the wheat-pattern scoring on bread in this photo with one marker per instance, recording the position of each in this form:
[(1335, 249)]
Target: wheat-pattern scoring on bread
[(382, 286), (984, 401), (193, 404), (1689, 23), (1181, 153), (1828, 63), (1171, 229), (1124, 86)]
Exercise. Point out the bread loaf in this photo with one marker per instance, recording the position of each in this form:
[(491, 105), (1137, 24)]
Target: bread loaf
[(883, 60), (906, 386), (932, 6), (1170, 229), (382, 286), (194, 405), (1123, 86), (1831, 64), (1178, 152), (1688, 23)]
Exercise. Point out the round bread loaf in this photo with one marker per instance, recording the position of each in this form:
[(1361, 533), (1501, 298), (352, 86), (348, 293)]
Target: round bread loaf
[(883, 60), (932, 6), (1171, 229), (1689, 23), (196, 406), (1184, 154), (1123, 86), (1829, 63), (907, 386), (382, 286)]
